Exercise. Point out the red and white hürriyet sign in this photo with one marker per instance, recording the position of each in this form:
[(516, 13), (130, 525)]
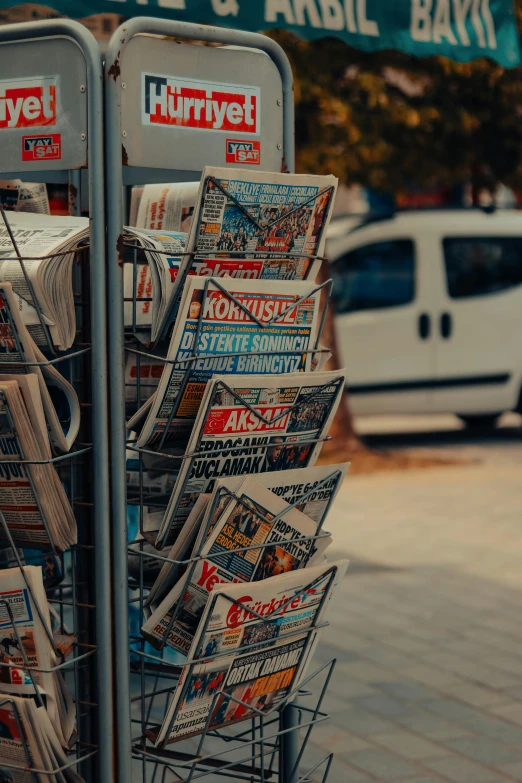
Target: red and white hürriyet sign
[(198, 105), (28, 103)]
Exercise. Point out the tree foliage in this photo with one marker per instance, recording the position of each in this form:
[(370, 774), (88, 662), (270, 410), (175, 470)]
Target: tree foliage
[(389, 121)]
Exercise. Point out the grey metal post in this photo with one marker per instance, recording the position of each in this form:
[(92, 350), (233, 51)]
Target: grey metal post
[(113, 89), (91, 52)]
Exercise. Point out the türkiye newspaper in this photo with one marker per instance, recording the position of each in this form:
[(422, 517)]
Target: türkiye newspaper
[(287, 541), (252, 424), (312, 490), (230, 326), (240, 662)]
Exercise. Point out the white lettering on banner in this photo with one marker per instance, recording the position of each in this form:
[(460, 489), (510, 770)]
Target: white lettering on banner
[(225, 7), (190, 103), (323, 14), (442, 23), (489, 24), (461, 9), (431, 21), (366, 26), (333, 15), (28, 103), (311, 9)]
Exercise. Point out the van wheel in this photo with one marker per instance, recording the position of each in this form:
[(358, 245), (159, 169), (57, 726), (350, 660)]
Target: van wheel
[(481, 421)]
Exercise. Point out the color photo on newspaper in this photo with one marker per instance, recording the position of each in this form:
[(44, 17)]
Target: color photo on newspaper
[(243, 664), (252, 424)]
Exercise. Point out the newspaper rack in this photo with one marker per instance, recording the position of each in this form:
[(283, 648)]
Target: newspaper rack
[(165, 672), (139, 152), (67, 53)]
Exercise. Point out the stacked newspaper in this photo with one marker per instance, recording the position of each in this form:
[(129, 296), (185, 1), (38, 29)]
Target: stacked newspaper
[(33, 503), (311, 490), (242, 664), (47, 245), (28, 742), (288, 540), (30, 652), (251, 225), (252, 424), (19, 355), (152, 265), (228, 326)]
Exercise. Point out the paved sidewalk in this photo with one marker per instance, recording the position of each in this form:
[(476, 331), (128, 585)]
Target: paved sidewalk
[(427, 632)]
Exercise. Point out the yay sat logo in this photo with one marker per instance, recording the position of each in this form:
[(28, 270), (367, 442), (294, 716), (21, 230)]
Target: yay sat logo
[(42, 147), (245, 152)]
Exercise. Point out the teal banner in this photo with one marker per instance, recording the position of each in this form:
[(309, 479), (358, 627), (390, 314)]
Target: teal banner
[(459, 29)]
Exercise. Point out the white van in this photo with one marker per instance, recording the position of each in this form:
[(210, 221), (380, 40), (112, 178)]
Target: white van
[(429, 312)]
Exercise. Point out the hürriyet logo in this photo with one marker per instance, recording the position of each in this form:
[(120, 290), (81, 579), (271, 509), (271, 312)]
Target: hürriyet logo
[(198, 105), (28, 103)]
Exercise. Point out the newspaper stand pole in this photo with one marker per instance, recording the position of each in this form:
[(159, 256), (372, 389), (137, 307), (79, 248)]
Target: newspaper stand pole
[(67, 56), (139, 152)]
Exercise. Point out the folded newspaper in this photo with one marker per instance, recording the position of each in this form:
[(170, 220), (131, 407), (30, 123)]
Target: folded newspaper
[(17, 347), (287, 540), (27, 656), (164, 207), (28, 742), (252, 424), (48, 247), (24, 196), (152, 264), (242, 664), (33, 502), (229, 326), (312, 490)]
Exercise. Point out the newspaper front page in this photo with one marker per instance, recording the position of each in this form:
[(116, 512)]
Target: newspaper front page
[(217, 324), (245, 663), (252, 424), (260, 224)]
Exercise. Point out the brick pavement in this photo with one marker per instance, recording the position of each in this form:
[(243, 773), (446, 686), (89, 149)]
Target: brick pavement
[(427, 632)]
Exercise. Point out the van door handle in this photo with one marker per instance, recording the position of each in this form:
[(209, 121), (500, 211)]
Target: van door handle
[(424, 326), (446, 326)]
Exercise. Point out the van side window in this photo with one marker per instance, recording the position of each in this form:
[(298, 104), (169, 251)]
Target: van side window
[(375, 276), (477, 266)]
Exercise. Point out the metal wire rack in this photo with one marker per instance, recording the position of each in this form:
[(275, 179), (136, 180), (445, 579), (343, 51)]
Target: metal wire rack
[(68, 581), (258, 753)]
